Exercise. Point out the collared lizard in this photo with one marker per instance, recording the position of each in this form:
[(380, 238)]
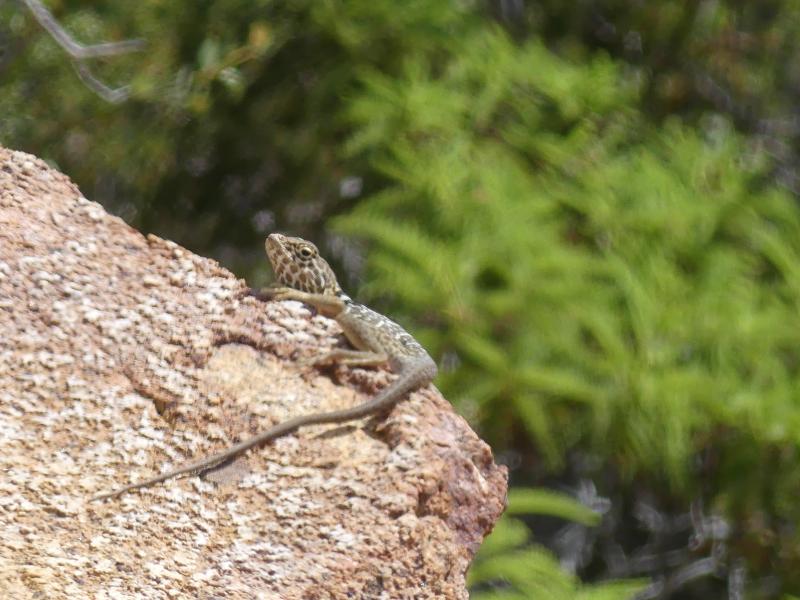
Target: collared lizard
[(305, 276)]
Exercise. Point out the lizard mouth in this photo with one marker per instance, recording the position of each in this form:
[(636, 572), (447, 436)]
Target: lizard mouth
[(275, 241), (275, 245)]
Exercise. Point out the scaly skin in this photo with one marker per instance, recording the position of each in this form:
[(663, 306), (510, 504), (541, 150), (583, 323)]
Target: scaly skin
[(307, 277)]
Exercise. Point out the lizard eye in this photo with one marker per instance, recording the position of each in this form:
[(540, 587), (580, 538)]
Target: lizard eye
[(306, 252)]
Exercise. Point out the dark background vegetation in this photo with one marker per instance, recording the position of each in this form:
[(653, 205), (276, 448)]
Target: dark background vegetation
[(586, 210)]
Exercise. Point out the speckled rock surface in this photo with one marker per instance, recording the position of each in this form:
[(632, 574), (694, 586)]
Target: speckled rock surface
[(121, 356)]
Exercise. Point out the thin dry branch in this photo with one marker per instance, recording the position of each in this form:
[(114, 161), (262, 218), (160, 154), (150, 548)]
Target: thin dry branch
[(79, 52), (109, 94)]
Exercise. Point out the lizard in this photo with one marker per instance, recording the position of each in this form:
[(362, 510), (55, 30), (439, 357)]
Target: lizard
[(303, 275)]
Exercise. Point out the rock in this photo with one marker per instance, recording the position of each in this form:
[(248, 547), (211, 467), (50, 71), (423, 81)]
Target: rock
[(123, 355)]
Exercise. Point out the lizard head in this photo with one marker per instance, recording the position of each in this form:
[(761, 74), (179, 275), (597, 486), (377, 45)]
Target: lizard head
[(298, 265)]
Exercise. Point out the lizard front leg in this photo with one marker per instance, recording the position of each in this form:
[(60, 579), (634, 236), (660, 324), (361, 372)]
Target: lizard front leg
[(330, 306)]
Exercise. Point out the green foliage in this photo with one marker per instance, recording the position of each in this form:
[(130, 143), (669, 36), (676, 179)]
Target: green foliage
[(236, 110), (617, 288), (508, 567), (735, 56), (547, 502)]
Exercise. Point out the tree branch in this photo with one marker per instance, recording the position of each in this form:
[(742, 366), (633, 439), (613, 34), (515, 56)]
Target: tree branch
[(109, 94), (79, 52)]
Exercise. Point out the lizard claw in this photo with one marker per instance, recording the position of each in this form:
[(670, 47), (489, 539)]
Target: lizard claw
[(311, 361)]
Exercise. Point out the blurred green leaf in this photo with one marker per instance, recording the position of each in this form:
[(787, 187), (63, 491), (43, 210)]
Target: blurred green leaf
[(554, 504)]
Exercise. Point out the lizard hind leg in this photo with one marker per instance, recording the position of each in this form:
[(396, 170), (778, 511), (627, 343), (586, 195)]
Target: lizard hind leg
[(344, 356)]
